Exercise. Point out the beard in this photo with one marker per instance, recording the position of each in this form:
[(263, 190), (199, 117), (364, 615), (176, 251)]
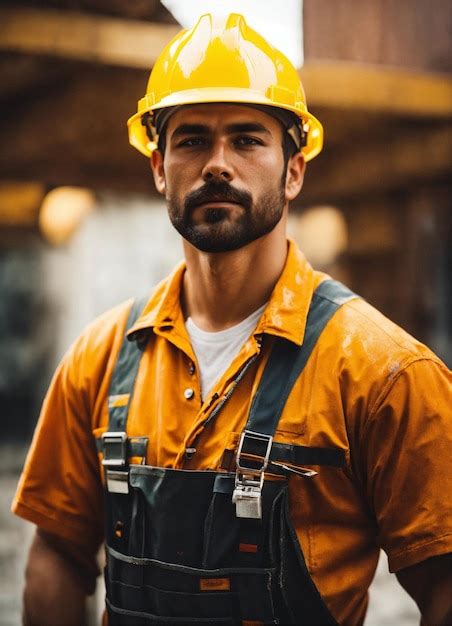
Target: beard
[(220, 229)]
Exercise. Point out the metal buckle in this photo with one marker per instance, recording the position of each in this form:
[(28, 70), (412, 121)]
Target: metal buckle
[(114, 445), (249, 478), (117, 482), (254, 437), (247, 498)]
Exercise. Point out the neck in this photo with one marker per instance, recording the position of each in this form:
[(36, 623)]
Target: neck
[(222, 289)]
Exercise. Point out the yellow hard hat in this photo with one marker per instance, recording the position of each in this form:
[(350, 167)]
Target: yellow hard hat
[(222, 60)]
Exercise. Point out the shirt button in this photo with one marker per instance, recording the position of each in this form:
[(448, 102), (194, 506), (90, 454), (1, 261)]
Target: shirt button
[(191, 368), (189, 393)]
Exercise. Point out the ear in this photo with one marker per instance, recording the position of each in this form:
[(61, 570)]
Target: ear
[(296, 167), (158, 171)]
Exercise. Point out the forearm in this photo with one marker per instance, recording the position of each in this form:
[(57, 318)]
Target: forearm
[(54, 592), (435, 620), (438, 612), (430, 584)]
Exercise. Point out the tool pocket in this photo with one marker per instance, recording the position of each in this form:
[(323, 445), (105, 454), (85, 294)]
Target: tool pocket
[(221, 533), (148, 590), (177, 606), (124, 617), (169, 512), (231, 541)]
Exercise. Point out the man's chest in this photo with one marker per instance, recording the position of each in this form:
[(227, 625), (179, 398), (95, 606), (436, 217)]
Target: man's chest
[(183, 431)]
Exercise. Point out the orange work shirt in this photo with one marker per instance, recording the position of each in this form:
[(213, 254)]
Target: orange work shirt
[(368, 388)]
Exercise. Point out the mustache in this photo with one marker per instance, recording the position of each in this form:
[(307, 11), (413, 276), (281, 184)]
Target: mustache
[(217, 191)]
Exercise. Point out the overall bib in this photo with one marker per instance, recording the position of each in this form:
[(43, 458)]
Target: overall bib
[(214, 547)]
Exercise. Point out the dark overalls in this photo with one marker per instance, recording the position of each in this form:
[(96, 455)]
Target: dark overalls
[(214, 547)]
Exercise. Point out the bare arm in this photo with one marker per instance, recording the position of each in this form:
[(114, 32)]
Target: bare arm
[(429, 583), (57, 581)]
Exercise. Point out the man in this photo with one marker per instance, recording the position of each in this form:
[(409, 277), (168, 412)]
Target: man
[(315, 430)]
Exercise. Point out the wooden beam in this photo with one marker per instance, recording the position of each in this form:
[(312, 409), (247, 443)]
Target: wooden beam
[(405, 159), (137, 44), (93, 38), (362, 87), (75, 133)]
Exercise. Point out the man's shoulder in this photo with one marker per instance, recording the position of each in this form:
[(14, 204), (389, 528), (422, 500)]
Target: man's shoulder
[(365, 339), (371, 358)]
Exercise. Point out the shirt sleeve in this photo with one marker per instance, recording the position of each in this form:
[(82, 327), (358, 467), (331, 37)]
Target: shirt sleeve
[(60, 488), (407, 451)]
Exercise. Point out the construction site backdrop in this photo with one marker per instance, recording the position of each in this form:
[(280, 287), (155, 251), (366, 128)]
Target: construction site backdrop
[(82, 228)]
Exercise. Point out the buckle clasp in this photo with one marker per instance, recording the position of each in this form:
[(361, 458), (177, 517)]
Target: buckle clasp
[(114, 445), (253, 455)]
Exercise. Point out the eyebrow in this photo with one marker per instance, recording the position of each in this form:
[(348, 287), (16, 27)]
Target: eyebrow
[(202, 129)]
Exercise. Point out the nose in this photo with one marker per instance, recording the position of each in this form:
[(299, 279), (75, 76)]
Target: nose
[(217, 165)]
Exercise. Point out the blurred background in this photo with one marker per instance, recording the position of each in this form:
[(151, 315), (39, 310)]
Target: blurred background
[(82, 228)]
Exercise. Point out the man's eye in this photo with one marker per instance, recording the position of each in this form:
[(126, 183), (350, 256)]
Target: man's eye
[(247, 141), (191, 142)]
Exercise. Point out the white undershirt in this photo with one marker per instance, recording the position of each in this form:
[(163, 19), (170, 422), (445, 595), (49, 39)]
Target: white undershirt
[(216, 351)]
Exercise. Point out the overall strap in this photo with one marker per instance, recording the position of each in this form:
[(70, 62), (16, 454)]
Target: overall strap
[(287, 360), (114, 443), (124, 374), (256, 449)]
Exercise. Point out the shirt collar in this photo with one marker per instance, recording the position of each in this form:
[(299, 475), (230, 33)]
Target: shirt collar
[(287, 310), (285, 315), (163, 309)]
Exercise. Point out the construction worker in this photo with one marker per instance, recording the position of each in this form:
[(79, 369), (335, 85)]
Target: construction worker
[(248, 438)]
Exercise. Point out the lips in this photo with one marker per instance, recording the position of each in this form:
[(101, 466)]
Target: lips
[(214, 211)]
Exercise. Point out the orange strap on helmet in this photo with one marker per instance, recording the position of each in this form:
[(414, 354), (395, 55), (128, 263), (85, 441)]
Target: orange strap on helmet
[(223, 60)]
